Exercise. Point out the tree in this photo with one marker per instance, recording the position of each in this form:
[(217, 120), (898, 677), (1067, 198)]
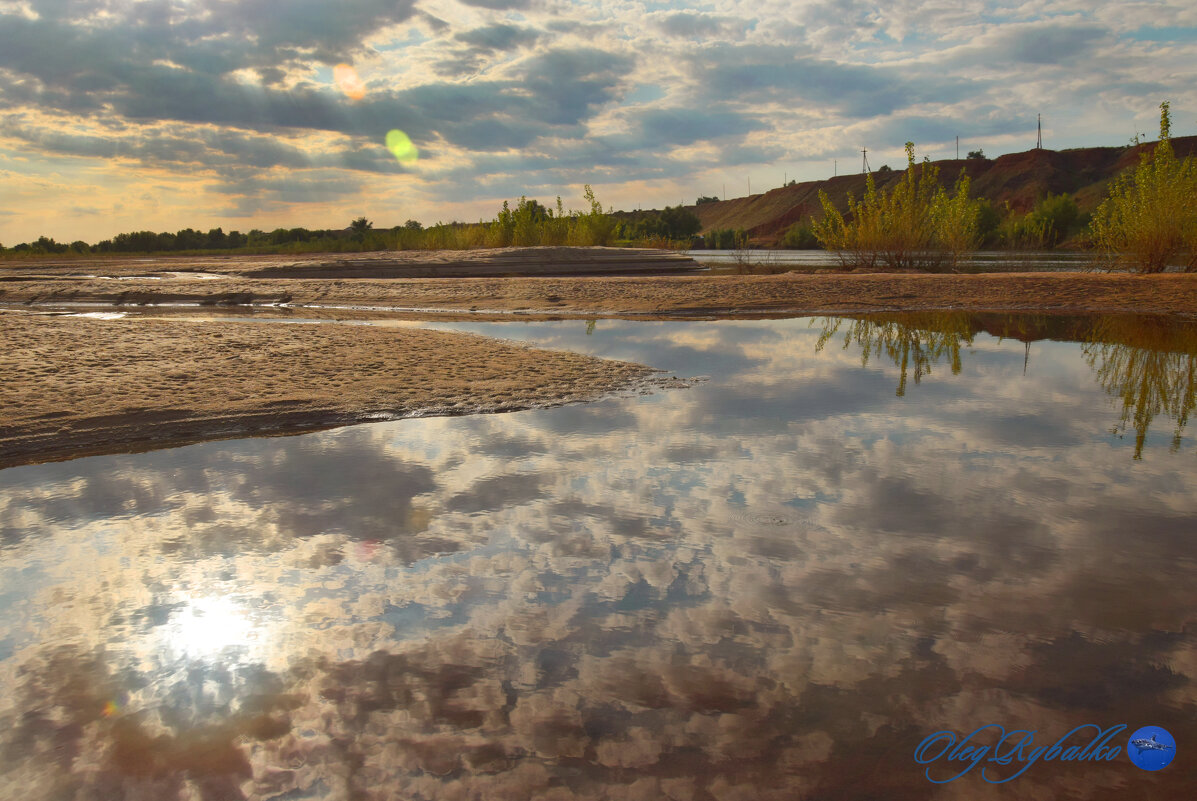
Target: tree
[(916, 224), (360, 226), (1149, 219), (413, 225), (705, 199), (977, 154), (680, 224)]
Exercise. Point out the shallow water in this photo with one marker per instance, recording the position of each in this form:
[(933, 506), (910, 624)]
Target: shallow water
[(773, 584)]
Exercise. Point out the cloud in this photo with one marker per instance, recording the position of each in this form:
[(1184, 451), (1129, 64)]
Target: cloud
[(1035, 44), (651, 102), (692, 25), (498, 37), (656, 127), (766, 73), (499, 5)]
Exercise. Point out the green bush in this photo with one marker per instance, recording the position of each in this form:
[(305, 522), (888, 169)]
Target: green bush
[(800, 236), (725, 238), (1149, 220)]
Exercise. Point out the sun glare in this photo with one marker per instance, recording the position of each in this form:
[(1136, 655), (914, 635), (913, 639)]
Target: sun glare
[(207, 627), (348, 81)]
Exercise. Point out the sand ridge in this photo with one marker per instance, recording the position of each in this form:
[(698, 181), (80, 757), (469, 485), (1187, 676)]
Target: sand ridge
[(76, 386)]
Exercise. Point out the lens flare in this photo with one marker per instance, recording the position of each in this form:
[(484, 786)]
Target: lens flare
[(348, 81), (110, 709), (402, 147)]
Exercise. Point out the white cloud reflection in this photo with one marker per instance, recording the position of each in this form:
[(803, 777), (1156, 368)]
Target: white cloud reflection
[(770, 585)]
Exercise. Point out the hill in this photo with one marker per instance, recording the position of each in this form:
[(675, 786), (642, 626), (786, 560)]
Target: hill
[(1019, 179)]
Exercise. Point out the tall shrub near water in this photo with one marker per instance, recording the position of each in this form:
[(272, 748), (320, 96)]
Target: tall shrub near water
[(1149, 220), (915, 225)]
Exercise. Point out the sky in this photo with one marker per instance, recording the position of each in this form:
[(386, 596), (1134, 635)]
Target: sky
[(120, 115)]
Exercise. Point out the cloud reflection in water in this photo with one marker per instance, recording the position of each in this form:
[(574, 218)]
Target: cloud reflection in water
[(771, 585)]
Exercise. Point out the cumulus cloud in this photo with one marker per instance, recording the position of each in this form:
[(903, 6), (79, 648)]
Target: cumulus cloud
[(608, 94)]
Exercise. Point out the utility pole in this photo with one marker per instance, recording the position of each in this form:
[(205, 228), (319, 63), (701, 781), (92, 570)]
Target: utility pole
[(864, 154), (1039, 129), (835, 167), (725, 190), (750, 186), (957, 148)]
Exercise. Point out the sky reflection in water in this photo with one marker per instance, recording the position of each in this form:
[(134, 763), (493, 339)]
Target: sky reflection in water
[(771, 585)]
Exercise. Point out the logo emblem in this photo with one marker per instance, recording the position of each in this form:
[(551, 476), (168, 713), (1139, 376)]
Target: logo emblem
[(1151, 748)]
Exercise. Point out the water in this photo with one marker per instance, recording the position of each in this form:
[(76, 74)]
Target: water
[(771, 585)]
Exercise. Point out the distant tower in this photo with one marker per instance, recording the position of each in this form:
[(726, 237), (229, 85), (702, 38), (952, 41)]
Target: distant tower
[(957, 148), (1039, 129), (864, 155)]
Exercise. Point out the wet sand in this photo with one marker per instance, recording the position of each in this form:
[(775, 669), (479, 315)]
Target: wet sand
[(77, 386), (689, 295)]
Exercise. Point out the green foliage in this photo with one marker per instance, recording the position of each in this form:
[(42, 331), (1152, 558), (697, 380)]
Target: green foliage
[(915, 225), (529, 223), (725, 238), (1149, 220), (977, 154), (673, 224), (705, 199), (1046, 225), (800, 236)]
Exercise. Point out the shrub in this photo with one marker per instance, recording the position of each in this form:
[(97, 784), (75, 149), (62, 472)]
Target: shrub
[(915, 225), (800, 236), (1047, 224), (724, 238), (1149, 219)]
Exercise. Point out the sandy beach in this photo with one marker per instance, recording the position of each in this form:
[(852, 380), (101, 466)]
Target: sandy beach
[(76, 386), (227, 282)]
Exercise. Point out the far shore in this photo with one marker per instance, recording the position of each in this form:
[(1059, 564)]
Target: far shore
[(545, 281)]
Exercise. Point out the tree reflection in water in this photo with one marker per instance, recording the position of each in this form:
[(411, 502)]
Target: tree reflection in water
[(1151, 365), (920, 340), (1147, 362)]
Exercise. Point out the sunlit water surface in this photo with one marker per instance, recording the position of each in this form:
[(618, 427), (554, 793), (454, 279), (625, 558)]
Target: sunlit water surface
[(771, 585)]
